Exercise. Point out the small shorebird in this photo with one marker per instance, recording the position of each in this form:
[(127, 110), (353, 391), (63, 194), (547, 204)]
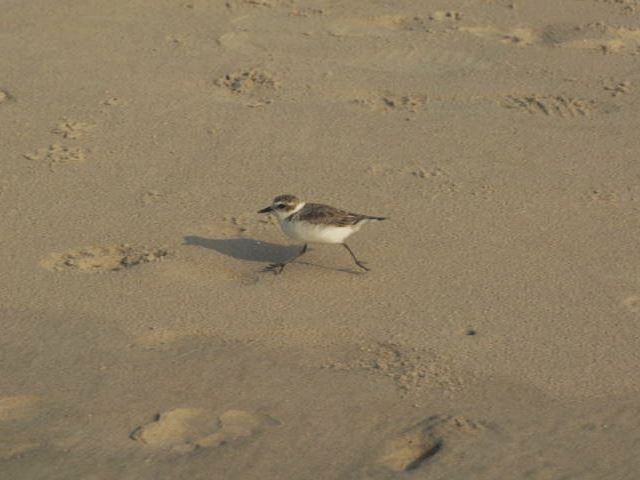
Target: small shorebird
[(314, 223)]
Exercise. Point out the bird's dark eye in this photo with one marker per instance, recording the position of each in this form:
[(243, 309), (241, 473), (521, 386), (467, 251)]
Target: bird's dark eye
[(280, 206)]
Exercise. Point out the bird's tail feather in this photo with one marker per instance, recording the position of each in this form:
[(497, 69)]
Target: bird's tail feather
[(376, 218)]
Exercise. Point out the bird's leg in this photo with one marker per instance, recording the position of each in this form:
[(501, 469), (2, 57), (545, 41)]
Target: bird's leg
[(277, 268), (355, 259)]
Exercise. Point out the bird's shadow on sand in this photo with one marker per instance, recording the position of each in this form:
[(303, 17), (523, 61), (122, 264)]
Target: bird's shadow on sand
[(253, 250), (245, 248)]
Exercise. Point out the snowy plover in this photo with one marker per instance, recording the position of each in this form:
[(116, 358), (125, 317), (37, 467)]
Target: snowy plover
[(314, 222)]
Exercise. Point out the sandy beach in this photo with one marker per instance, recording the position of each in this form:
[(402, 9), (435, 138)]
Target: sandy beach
[(497, 335)]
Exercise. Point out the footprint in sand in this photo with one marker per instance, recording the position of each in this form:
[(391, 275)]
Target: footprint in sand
[(103, 258), (550, 105), (71, 129), (619, 88), (176, 427), (306, 12), (409, 368), (185, 429), (56, 155), (445, 15), (390, 102), (113, 102), (415, 171), (613, 195), (382, 25), (250, 81), (597, 36), (520, 36), (416, 445)]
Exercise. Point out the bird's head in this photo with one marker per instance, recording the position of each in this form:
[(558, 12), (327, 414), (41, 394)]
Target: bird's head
[(283, 206)]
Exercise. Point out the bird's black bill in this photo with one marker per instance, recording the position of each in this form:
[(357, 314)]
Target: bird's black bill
[(265, 210)]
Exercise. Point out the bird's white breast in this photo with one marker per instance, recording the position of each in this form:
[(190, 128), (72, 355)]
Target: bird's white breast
[(318, 233)]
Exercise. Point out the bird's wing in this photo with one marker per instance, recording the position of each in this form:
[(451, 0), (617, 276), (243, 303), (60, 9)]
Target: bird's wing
[(317, 213)]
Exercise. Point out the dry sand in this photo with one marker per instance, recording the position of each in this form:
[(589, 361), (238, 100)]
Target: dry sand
[(497, 335)]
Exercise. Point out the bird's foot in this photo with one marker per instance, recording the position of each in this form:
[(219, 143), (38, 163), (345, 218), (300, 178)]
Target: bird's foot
[(361, 265), (276, 268)]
